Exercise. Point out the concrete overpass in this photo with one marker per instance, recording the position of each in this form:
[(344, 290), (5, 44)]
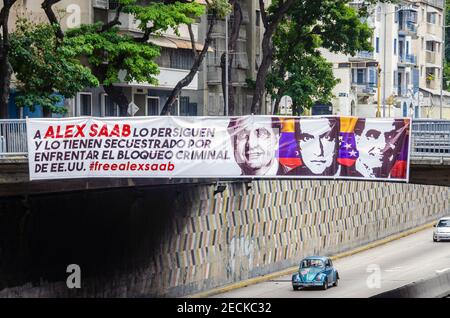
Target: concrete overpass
[(430, 162), (136, 237)]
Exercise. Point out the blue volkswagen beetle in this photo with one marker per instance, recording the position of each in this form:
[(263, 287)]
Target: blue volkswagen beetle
[(315, 271)]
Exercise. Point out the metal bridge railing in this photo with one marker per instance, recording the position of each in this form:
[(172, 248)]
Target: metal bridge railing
[(13, 138), (429, 138)]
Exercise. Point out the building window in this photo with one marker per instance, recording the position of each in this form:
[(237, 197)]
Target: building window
[(395, 46), (431, 46), (431, 17), (152, 106), (379, 13), (377, 44), (110, 109), (258, 18), (181, 59), (360, 76), (85, 104), (187, 108)]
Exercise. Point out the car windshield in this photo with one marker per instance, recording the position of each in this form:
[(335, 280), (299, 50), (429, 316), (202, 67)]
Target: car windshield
[(444, 223), (311, 263)]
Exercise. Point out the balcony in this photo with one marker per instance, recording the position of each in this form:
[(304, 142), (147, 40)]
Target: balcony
[(214, 75), (365, 88), (127, 22), (101, 4), (431, 57), (434, 29), (433, 84), (401, 91), (434, 3), (240, 60), (169, 77), (407, 60), (363, 56), (408, 28)]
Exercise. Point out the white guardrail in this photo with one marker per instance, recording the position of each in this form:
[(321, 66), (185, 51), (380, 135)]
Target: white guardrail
[(430, 138)]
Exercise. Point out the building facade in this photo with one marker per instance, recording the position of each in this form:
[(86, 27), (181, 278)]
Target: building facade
[(203, 96), (407, 60)]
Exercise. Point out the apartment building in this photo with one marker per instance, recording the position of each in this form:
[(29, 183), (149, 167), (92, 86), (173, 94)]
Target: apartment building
[(203, 96), (245, 60), (407, 60)]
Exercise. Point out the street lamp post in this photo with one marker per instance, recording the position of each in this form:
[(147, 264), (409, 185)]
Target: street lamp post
[(379, 90), (384, 59), (443, 49), (226, 65)]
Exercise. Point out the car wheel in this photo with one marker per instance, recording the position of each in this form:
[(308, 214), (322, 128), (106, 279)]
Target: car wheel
[(325, 284), (336, 282), (295, 287)]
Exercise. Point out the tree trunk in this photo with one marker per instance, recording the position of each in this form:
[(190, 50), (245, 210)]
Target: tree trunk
[(5, 80), (280, 92), (266, 61), (5, 67), (270, 24), (118, 96), (188, 78), (232, 45)]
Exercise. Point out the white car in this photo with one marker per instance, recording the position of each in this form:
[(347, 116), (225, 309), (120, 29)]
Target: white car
[(442, 230)]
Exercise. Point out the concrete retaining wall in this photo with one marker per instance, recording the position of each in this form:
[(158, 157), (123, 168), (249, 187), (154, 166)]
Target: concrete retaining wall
[(180, 240), (434, 287)]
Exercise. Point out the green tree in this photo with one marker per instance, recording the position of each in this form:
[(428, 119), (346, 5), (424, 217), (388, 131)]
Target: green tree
[(310, 79), (114, 57), (332, 24), (46, 69), (298, 69), (447, 47)]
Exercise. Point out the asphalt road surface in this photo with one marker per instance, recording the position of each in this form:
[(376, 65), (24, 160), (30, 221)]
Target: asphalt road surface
[(367, 273)]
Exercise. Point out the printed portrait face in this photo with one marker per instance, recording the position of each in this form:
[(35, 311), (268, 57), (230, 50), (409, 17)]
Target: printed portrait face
[(255, 145), (318, 144), (376, 144)]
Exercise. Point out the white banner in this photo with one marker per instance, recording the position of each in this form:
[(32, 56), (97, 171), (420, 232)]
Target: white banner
[(219, 147)]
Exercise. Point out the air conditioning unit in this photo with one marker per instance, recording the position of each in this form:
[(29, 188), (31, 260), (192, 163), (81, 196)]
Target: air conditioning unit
[(101, 4)]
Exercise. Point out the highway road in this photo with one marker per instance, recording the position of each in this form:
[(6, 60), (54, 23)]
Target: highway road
[(367, 273)]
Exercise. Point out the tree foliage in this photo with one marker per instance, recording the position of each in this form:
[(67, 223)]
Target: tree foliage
[(332, 24), (447, 48), (114, 57), (44, 68), (48, 60), (298, 69)]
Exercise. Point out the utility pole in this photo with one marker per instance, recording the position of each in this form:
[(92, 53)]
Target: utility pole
[(384, 62), (226, 65), (379, 90), (443, 49)]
